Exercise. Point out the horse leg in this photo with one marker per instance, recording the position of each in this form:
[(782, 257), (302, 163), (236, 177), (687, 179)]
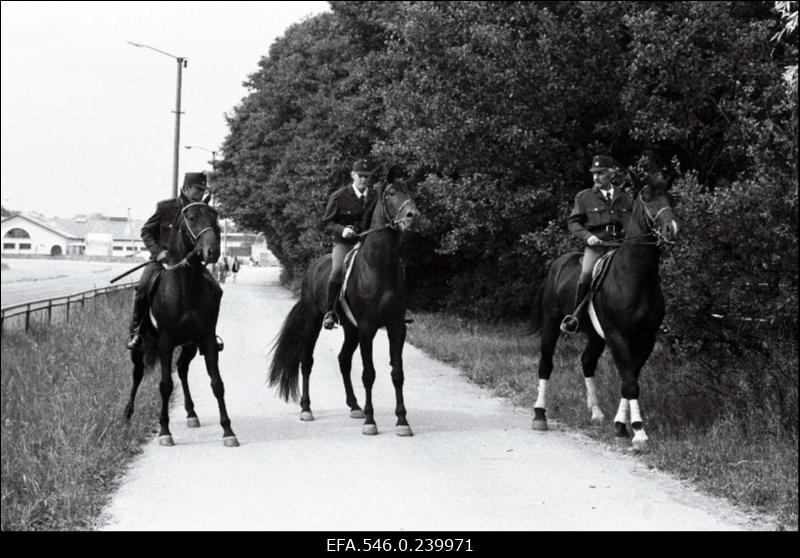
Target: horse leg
[(306, 363), (212, 366), (345, 365), (591, 354), (165, 387), (137, 356), (187, 354), (365, 337), (630, 357), (397, 337), (550, 333)]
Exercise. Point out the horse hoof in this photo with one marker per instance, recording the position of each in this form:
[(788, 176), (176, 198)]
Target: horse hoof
[(193, 422), (622, 442), (598, 418), (306, 416), (640, 446), (404, 430), (165, 440), (369, 429), (357, 413), (230, 442), (538, 424)]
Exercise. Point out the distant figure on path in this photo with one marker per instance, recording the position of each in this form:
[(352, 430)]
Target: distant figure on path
[(235, 268)]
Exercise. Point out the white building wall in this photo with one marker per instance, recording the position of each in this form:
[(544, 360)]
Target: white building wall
[(41, 240)]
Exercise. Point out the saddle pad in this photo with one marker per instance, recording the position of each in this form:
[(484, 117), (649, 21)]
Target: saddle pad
[(349, 259), (598, 274), (600, 269), (151, 289)]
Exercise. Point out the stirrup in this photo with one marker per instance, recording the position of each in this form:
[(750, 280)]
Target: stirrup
[(569, 324)]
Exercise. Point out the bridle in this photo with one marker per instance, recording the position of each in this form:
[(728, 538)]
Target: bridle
[(185, 261), (393, 221), (652, 224)]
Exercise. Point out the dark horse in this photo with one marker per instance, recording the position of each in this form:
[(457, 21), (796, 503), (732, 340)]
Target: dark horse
[(185, 305), (627, 308), (376, 295)]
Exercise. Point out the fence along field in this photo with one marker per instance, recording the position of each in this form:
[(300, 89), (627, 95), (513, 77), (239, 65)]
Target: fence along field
[(53, 310)]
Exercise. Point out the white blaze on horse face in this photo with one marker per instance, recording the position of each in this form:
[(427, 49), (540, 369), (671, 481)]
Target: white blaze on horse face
[(622, 411), (541, 399)]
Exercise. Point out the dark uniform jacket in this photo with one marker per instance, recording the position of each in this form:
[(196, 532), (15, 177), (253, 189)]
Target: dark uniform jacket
[(156, 231), (592, 216), (345, 210)]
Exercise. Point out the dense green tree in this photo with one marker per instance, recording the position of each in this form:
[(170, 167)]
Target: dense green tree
[(495, 109)]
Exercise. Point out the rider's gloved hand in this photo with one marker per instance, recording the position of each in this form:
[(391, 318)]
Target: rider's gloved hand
[(593, 241), (162, 257), (348, 232)]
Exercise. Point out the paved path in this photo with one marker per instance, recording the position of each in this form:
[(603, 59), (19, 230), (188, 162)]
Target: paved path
[(474, 464)]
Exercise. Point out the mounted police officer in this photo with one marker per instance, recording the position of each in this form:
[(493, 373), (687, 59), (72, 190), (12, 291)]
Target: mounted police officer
[(600, 214), (345, 216), (156, 236)]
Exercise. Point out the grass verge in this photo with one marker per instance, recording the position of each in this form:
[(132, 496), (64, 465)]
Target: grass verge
[(64, 441), (719, 455)]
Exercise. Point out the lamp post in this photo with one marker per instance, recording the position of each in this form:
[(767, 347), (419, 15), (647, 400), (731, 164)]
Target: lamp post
[(182, 63), (213, 153)]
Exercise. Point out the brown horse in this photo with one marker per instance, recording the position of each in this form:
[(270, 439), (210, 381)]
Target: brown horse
[(625, 311), (376, 296), (185, 305)]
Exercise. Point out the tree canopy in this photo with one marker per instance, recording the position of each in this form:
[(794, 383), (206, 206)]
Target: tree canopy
[(496, 108)]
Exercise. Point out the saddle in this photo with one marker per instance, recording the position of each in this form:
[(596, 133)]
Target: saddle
[(349, 259)]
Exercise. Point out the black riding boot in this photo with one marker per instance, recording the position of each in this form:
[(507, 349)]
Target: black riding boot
[(571, 322), (331, 319), (139, 312)]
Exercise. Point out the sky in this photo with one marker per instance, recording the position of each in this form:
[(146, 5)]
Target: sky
[(88, 123)]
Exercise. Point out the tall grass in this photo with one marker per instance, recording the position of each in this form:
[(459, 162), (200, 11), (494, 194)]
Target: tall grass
[(749, 456), (64, 441)]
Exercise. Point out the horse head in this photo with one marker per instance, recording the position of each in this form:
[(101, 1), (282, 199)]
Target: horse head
[(197, 233), (398, 207), (659, 218)]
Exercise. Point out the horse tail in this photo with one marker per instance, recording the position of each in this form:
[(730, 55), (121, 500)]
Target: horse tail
[(287, 351)]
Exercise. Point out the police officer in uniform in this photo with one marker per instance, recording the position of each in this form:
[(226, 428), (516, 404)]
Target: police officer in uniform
[(347, 208), (156, 235), (600, 214)]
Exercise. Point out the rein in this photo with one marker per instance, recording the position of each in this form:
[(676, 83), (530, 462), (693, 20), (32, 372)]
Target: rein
[(185, 261), (652, 222), (395, 220)]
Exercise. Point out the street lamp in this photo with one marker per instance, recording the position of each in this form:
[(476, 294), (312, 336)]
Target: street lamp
[(182, 63), (213, 153)]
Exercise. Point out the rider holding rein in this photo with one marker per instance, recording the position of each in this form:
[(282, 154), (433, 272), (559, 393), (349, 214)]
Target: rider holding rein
[(156, 236), (600, 214), (344, 219)]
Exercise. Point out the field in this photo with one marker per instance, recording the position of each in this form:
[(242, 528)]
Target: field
[(64, 442)]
